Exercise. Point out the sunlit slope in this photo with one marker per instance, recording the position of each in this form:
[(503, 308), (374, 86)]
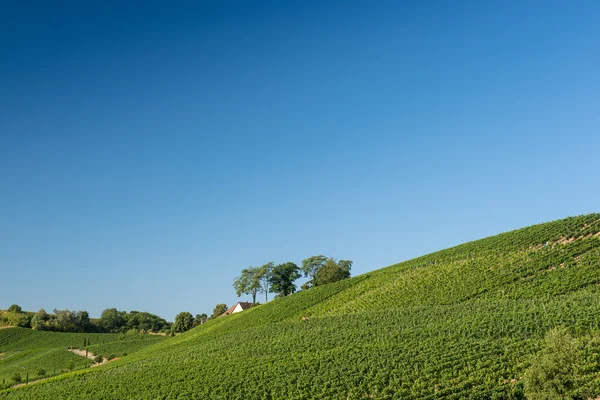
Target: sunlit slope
[(28, 352), (459, 323)]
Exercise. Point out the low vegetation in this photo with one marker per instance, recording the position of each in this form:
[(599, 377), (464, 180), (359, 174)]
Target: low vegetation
[(506, 317), (30, 354)]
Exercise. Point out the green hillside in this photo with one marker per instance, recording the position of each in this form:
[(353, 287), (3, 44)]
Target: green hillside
[(461, 323), (27, 351)]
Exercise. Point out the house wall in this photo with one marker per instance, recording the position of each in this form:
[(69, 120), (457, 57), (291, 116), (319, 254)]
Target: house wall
[(237, 308)]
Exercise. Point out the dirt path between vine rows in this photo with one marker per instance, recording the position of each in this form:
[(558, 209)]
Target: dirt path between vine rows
[(91, 356)]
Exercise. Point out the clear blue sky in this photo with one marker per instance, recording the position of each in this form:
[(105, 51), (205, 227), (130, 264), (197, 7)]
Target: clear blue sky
[(149, 152)]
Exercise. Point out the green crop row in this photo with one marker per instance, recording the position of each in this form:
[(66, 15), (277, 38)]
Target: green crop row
[(461, 323)]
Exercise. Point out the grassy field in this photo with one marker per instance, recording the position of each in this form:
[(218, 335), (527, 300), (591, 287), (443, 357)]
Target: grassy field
[(461, 323), (33, 354)]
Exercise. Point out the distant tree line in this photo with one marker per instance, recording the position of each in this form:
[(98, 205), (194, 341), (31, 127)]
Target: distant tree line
[(111, 320)]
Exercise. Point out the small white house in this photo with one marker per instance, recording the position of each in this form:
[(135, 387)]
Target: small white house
[(238, 307)]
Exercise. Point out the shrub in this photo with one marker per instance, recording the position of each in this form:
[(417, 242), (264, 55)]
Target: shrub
[(553, 373)]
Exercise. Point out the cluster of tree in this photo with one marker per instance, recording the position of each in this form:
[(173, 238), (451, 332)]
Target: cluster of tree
[(63, 321), (111, 320), (185, 321), (15, 316), (279, 279), (321, 270)]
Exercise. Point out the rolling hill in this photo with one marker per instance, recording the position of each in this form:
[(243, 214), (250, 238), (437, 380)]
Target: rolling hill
[(29, 352), (459, 323)]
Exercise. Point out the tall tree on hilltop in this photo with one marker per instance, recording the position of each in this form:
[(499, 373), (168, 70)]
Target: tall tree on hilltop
[(249, 282), (265, 274), (282, 278), (332, 271), (184, 321), (322, 270), (310, 266)]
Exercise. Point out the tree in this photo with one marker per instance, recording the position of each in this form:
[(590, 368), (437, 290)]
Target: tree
[(184, 321), (248, 282), (219, 310), (282, 278), (332, 271), (112, 320), (322, 270), (200, 319), (264, 275), (83, 318), (553, 373), (65, 320), (38, 321), (15, 308), (310, 266), (19, 319)]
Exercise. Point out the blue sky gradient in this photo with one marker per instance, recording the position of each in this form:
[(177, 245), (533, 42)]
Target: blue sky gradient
[(149, 152)]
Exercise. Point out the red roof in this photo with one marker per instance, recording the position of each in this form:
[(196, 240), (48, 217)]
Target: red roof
[(243, 304)]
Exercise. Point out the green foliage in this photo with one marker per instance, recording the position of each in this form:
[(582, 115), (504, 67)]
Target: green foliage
[(219, 310), (200, 319), (323, 270), (113, 320), (249, 282), (19, 319), (462, 323), (41, 373), (332, 271), (184, 321), (310, 266), (39, 320), (553, 373), (282, 278), (265, 274), (15, 316), (15, 308), (79, 321)]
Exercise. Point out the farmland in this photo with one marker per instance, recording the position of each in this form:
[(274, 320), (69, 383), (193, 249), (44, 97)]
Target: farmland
[(29, 352), (459, 323)]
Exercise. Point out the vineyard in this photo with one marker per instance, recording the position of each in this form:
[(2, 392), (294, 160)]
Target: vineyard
[(34, 354), (461, 323)]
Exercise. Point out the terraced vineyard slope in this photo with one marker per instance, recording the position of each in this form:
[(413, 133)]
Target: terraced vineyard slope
[(34, 355), (462, 323)]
